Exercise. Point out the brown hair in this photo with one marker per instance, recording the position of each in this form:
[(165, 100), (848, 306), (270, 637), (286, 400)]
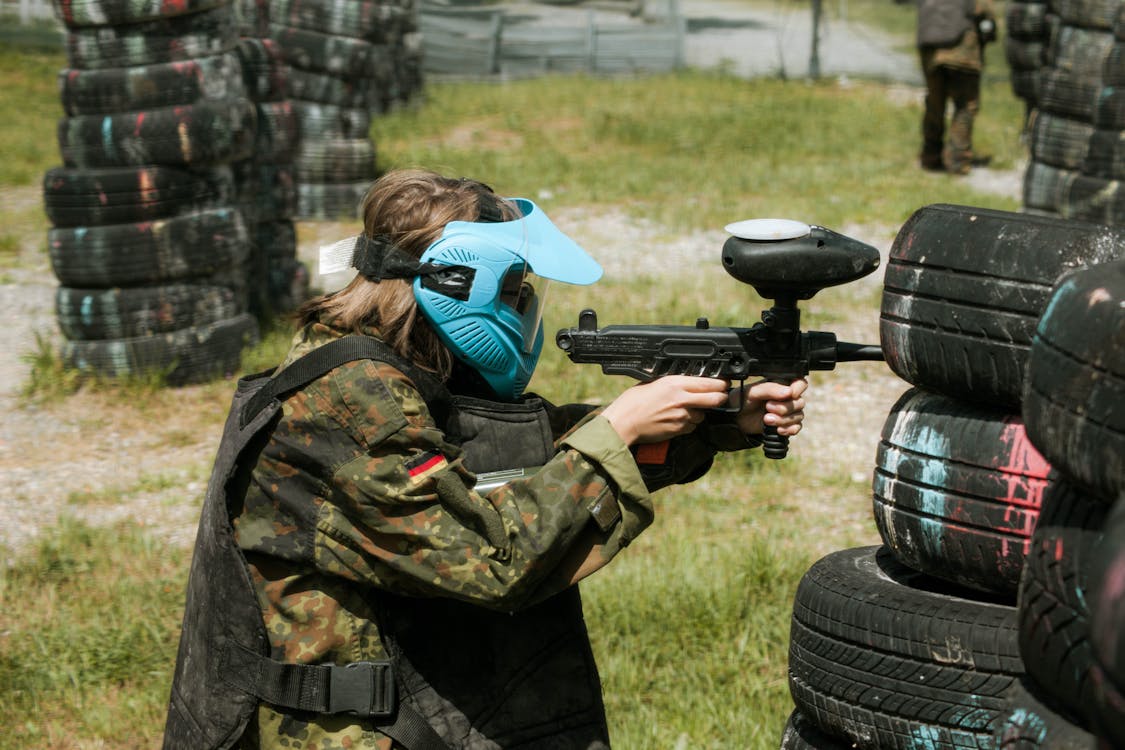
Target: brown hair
[(411, 207)]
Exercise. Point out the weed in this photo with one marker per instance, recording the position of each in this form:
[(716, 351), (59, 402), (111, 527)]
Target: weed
[(49, 379)]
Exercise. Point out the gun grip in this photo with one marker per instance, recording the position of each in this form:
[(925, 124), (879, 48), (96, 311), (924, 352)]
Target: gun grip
[(773, 445)]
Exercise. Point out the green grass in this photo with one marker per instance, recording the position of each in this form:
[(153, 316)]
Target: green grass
[(694, 150), (29, 100), (87, 627), (690, 625)]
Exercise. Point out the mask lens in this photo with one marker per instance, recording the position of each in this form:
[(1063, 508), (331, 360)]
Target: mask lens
[(523, 292), (517, 291)]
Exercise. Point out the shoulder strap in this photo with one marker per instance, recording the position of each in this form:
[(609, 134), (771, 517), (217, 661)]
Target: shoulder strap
[(328, 357)]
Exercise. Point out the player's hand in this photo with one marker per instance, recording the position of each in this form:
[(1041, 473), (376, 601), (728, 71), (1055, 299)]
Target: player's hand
[(666, 407), (775, 404)]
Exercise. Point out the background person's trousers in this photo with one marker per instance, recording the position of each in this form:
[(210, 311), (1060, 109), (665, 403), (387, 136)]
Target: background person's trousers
[(944, 83)]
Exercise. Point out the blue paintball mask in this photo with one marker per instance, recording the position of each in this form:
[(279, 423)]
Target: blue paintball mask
[(483, 285)]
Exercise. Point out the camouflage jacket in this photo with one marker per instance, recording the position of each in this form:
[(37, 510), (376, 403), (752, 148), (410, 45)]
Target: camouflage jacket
[(347, 497)]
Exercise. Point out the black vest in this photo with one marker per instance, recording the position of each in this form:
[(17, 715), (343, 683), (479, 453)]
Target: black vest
[(493, 681)]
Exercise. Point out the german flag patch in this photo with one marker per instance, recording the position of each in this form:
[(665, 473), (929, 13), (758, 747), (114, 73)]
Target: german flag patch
[(424, 464)]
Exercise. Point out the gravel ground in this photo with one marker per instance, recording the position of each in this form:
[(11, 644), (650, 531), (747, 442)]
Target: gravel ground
[(149, 463)]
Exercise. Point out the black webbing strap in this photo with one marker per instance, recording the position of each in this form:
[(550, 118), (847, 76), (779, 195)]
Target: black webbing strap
[(328, 357), (364, 689)]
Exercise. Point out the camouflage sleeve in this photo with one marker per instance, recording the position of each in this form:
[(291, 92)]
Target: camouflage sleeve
[(402, 515)]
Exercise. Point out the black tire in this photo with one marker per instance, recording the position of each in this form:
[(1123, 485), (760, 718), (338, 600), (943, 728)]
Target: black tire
[(1027, 21), (322, 88), (1109, 114), (266, 192), (145, 253), (281, 281), (1063, 95), (1093, 14), (1106, 155), (1059, 141), (1045, 188), (189, 355), (200, 134), (365, 19), (1034, 724), (117, 195), (890, 658), (1023, 54), (76, 14), (264, 73), (288, 285), (344, 56), (1107, 637), (330, 200), (957, 490), (1081, 53), (1026, 84), (278, 239), (177, 39), (92, 314), (253, 17), (336, 160), (1113, 72), (329, 121), (1094, 199), (1075, 399), (139, 87), (802, 734), (963, 291), (1053, 613), (278, 136)]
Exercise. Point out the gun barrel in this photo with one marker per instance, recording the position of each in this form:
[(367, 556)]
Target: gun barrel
[(849, 352)]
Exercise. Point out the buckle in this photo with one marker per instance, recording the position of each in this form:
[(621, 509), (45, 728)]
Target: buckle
[(363, 688)]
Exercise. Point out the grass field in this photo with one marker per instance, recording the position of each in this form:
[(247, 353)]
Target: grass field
[(691, 624)]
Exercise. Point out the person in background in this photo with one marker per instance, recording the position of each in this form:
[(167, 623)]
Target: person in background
[(951, 38), (381, 589)]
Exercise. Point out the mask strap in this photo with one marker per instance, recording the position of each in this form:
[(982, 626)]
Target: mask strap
[(378, 258), (489, 210)]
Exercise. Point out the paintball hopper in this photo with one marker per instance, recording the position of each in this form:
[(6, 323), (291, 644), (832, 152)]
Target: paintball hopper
[(790, 260)]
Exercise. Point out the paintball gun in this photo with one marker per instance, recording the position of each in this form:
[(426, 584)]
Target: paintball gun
[(785, 261)]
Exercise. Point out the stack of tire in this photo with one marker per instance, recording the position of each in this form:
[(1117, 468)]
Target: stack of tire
[(346, 60), (1077, 159), (147, 240), (1027, 35), (1072, 595), (266, 183), (957, 631)]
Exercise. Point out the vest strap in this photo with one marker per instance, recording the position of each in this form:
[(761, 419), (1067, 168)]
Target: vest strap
[(328, 357), (365, 689)]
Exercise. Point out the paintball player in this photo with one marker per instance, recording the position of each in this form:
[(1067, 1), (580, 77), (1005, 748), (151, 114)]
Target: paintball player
[(951, 38), (407, 602)]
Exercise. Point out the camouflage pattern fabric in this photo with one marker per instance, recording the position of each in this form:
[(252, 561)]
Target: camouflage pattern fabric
[(348, 496)]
